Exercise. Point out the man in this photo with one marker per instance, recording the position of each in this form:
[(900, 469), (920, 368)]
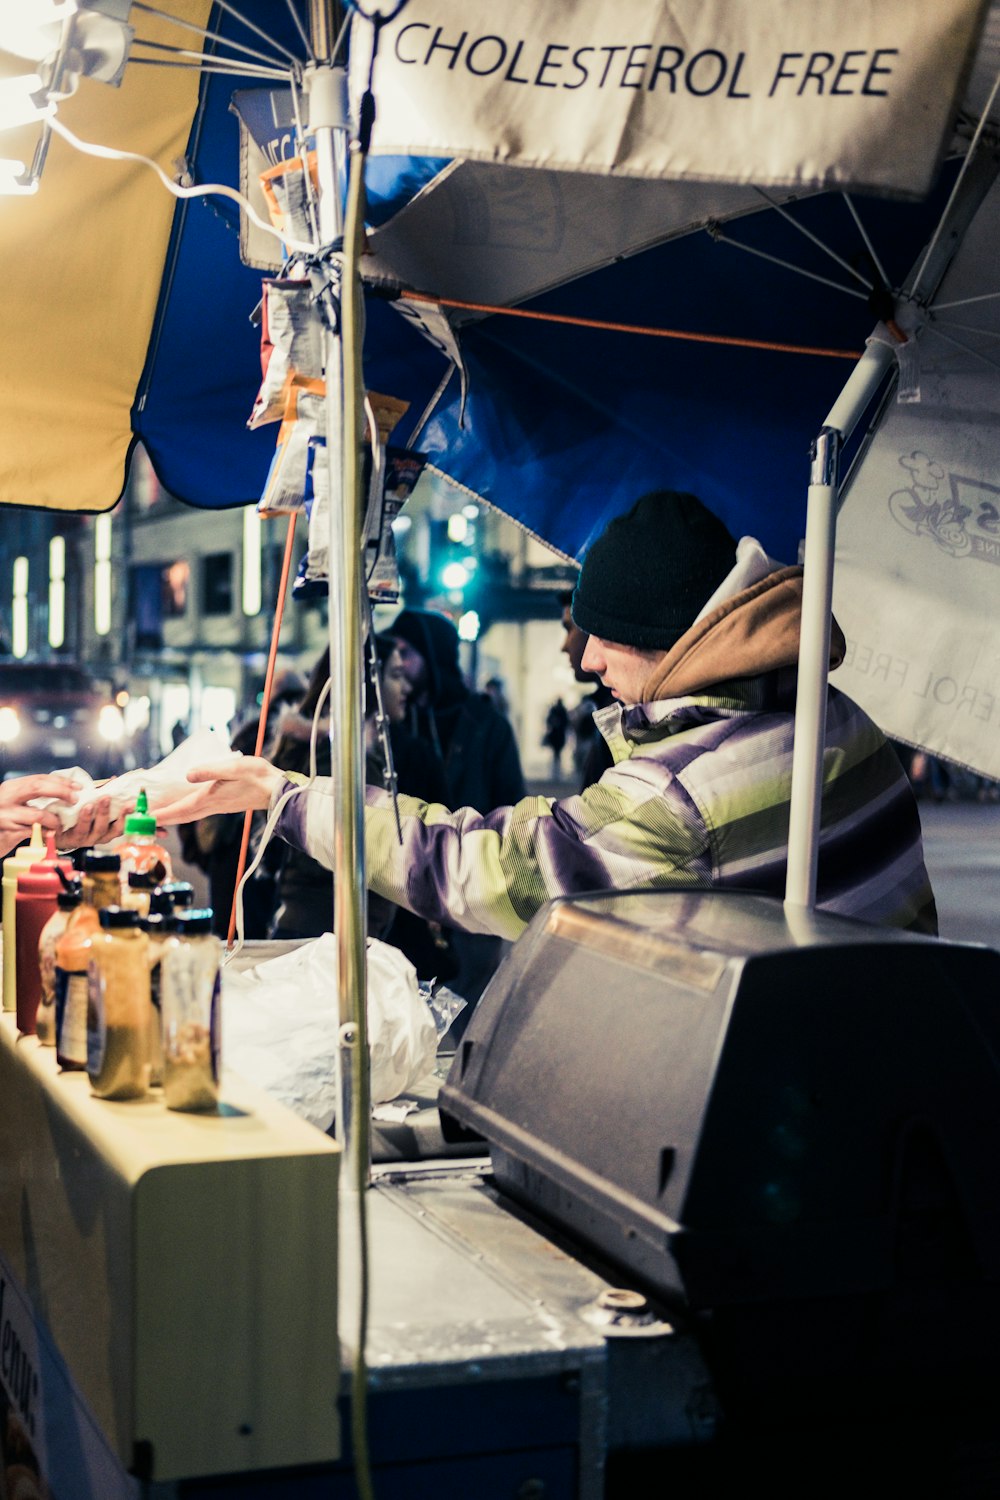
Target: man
[(702, 664), (593, 755)]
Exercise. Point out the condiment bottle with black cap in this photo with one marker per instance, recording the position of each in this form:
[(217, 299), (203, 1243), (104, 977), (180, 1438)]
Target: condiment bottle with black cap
[(101, 881), (137, 887), (159, 929), (179, 893), (46, 1023), (190, 997), (118, 1020), (101, 886)]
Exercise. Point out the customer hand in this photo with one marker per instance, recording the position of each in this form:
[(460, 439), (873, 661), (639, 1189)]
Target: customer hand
[(246, 781), (95, 825), (16, 817)]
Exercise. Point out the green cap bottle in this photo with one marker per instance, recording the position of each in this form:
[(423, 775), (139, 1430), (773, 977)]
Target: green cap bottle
[(141, 821)]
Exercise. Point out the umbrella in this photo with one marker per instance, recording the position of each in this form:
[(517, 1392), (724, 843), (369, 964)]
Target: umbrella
[(144, 329), (558, 425)]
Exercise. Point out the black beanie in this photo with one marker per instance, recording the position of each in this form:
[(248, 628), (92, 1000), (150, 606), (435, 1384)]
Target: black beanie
[(651, 571)]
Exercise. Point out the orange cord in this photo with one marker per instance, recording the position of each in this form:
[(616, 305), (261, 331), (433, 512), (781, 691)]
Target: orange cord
[(279, 611), (656, 333)]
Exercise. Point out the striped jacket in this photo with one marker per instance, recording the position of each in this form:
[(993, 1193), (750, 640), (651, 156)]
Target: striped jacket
[(697, 797)]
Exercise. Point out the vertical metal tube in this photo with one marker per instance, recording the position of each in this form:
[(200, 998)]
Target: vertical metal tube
[(814, 658), (349, 905), (321, 29), (343, 435), (814, 643), (344, 430)]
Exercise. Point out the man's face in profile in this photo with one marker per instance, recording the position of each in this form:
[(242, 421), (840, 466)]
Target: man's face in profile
[(574, 645)]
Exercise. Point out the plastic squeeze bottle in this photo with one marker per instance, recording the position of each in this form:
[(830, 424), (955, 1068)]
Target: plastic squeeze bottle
[(38, 888), (20, 860), (159, 930), (138, 850), (118, 1006), (101, 887), (167, 898), (190, 999), (45, 1023), (137, 888)]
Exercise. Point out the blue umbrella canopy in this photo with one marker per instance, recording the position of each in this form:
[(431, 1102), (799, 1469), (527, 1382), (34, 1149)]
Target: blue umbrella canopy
[(565, 424), (142, 331)]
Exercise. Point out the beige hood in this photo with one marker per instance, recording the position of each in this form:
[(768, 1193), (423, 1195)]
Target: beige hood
[(755, 631)]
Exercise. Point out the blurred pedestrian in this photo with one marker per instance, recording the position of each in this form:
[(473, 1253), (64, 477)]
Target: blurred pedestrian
[(494, 690), (556, 730)]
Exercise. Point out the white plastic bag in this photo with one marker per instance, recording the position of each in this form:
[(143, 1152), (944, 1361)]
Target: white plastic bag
[(280, 1025)]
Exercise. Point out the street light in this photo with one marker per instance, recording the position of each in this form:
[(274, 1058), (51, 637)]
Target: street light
[(455, 575), (67, 41)]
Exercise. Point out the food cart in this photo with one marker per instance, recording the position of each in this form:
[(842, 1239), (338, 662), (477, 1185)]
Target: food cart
[(728, 1204), (541, 1320)]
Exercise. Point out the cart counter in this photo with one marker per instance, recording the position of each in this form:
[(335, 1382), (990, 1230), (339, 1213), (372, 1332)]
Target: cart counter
[(184, 1266)]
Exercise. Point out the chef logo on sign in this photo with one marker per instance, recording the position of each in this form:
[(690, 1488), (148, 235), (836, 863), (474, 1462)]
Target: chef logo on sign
[(959, 513)]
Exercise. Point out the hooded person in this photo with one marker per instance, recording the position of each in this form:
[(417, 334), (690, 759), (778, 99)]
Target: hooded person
[(481, 760), (697, 639), (482, 766)]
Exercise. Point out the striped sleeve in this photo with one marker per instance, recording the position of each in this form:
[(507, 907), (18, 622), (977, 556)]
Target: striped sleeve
[(635, 828)]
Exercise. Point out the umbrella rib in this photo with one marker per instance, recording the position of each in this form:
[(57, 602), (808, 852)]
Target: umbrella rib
[(787, 265), (604, 326), (953, 195), (233, 70), (272, 64), (965, 301), (216, 36), (958, 344), (876, 260), (299, 27), (985, 333), (813, 238)]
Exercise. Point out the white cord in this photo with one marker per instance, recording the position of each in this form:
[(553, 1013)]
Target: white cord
[(203, 190), (252, 867), (269, 826)]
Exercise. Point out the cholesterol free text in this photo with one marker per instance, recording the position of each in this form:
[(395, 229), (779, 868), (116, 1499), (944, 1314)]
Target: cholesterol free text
[(979, 703), (649, 66)]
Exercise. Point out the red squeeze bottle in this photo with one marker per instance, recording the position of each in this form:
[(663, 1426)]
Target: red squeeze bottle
[(38, 888)]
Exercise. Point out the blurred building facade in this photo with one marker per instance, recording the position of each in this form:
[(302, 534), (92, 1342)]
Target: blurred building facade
[(174, 605)]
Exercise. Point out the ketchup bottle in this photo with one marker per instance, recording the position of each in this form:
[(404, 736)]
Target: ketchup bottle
[(20, 860), (35, 900)]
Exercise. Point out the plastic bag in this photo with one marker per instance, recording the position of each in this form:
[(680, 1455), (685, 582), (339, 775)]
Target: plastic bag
[(280, 1025)]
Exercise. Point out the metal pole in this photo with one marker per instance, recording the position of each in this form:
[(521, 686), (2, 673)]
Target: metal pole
[(343, 436), (814, 643)]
